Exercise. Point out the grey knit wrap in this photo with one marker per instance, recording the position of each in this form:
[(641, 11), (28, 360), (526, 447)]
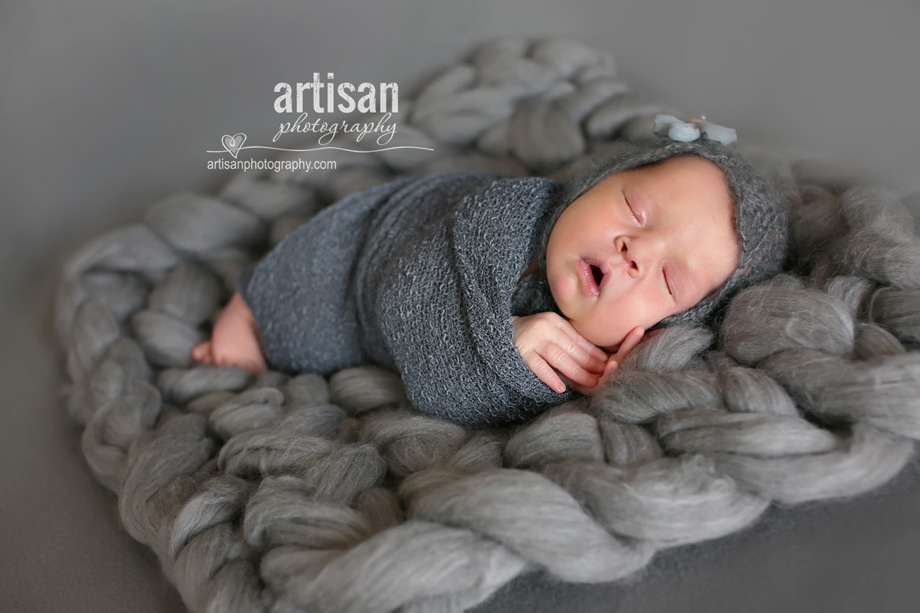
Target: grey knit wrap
[(760, 216), (421, 276)]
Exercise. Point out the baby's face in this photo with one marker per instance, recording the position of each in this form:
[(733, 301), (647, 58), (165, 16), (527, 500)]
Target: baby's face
[(642, 245)]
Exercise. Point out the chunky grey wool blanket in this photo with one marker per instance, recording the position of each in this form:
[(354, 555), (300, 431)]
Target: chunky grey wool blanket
[(313, 493), (421, 276)]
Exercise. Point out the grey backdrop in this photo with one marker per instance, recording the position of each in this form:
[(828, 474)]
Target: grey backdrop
[(108, 105)]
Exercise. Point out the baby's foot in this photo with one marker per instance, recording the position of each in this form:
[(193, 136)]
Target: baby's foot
[(237, 356), (202, 353), (234, 340)]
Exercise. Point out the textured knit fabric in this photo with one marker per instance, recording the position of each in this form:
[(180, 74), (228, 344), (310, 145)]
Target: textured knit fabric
[(422, 276)]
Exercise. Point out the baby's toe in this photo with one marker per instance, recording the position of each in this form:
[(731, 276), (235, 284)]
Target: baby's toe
[(202, 351)]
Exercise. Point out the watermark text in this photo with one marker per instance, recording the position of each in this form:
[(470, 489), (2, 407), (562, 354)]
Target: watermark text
[(273, 165)]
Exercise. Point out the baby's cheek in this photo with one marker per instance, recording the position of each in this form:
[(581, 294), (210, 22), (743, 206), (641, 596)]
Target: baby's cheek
[(563, 290)]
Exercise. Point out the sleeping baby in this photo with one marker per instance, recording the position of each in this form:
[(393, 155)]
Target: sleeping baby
[(497, 297)]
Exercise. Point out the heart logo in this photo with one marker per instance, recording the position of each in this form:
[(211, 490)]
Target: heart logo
[(234, 143)]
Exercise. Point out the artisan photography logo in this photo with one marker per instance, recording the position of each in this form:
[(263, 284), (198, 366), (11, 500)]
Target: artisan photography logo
[(336, 116)]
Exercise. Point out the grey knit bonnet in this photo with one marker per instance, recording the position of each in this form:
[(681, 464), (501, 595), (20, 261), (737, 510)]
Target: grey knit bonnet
[(761, 220)]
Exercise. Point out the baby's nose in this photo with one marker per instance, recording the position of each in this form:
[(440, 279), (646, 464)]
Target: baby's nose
[(640, 256), (632, 267), (625, 247)]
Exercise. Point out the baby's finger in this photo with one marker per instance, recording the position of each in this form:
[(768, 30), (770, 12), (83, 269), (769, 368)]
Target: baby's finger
[(544, 372), (585, 360), (612, 367), (570, 333), (584, 344), (565, 364), (585, 390), (592, 349), (594, 365), (589, 356), (633, 338), (629, 343)]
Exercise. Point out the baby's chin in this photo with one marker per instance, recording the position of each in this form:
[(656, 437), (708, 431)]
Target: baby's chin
[(602, 338)]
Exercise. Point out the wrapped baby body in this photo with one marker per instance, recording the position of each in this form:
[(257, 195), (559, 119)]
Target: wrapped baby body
[(422, 276)]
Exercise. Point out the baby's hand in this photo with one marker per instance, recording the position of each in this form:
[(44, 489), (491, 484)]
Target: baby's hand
[(548, 343), (617, 355)]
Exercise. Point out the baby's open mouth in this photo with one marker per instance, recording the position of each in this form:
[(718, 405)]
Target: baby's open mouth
[(598, 274), (592, 274)]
